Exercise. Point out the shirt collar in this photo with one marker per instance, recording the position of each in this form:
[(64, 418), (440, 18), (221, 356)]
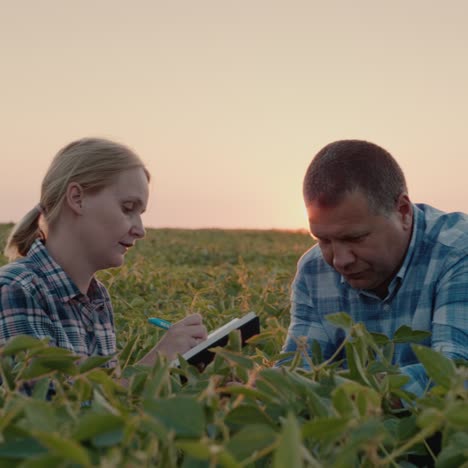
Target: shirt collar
[(56, 276), (415, 235)]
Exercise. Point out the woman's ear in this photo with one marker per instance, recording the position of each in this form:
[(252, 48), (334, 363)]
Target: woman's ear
[(74, 197)]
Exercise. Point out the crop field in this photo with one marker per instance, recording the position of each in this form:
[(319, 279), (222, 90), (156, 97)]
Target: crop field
[(240, 411)]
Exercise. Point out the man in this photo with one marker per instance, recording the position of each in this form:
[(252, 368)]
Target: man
[(380, 258)]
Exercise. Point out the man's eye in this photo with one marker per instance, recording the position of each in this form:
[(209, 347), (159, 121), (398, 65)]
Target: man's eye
[(127, 207), (359, 238)]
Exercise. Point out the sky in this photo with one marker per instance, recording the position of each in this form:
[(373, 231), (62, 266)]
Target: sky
[(227, 102)]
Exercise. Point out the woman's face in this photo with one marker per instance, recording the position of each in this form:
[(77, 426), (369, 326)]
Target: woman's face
[(111, 219)]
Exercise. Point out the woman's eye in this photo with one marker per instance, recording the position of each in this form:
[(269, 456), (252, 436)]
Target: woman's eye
[(127, 207)]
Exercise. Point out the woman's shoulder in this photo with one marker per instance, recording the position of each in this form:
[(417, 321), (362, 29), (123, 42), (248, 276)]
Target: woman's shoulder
[(22, 284), (18, 273)]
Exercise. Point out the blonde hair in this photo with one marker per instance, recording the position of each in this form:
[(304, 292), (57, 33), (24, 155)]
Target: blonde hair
[(91, 162)]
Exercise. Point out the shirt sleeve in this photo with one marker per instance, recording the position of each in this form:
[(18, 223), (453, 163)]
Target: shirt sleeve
[(305, 321), (449, 323), (21, 314)]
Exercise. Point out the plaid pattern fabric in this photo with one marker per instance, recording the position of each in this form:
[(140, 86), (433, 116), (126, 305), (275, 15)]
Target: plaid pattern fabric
[(429, 292), (38, 298)]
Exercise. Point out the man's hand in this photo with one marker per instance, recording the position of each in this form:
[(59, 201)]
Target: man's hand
[(394, 402), (181, 337)]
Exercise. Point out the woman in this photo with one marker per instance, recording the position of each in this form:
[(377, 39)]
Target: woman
[(89, 216)]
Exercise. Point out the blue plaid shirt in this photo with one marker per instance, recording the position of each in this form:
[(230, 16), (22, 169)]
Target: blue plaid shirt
[(37, 298), (429, 292)]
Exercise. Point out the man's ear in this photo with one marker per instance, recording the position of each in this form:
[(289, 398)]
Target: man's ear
[(405, 210), (74, 197)]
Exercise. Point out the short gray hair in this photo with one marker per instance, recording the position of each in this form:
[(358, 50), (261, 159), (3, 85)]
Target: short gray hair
[(346, 166)]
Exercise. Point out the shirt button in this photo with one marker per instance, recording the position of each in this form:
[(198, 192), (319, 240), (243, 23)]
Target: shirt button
[(386, 308)]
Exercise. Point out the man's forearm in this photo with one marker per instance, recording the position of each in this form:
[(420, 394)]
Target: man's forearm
[(419, 380)]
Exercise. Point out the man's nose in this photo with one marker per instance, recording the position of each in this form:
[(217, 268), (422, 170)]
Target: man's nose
[(342, 256)]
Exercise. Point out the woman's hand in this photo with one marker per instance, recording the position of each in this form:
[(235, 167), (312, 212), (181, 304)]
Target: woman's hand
[(182, 336)]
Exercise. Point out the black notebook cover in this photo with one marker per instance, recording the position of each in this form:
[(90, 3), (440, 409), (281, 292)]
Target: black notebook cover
[(249, 325)]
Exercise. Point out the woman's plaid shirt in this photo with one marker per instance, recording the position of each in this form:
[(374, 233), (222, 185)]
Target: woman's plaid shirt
[(37, 298)]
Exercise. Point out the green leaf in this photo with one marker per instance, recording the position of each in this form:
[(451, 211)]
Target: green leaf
[(150, 425), (397, 381), (234, 341), (54, 352), (41, 388), (340, 319), (379, 338), (8, 463), (203, 451), (42, 461), (438, 367), (99, 376), (93, 362), (157, 380), (388, 351), (250, 439), (359, 370), (234, 357), (365, 432), (39, 368), (65, 448), (430, 418), (191, 462), (41, 416), (9, 413), (226, 460), (452, 457), (318, 406), (21, 449), (350, 396), (7, 373), (317, 355), (284, 383), (406, 335), (324, 428), (455, 453), (251, 393), (181, 414), (377, 367), (93, 424), (198, 450), (457, 414), (108, 439), (21, 343), (128, 349), (302, 385), (342, 402), (406, 428), (248, 414), (289, 450)]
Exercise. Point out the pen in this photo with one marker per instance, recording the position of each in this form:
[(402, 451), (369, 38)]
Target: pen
[(161, 323)]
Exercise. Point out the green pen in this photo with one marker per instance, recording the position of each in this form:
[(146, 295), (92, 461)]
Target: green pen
[(161, 323)]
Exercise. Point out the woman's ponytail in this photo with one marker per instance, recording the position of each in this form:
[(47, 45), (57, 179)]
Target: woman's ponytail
[(24, 234)]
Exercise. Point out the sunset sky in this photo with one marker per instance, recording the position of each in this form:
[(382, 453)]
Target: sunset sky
[(228, 101)]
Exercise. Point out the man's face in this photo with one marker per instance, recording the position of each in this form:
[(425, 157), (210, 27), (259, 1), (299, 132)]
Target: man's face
[(366, 248)]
